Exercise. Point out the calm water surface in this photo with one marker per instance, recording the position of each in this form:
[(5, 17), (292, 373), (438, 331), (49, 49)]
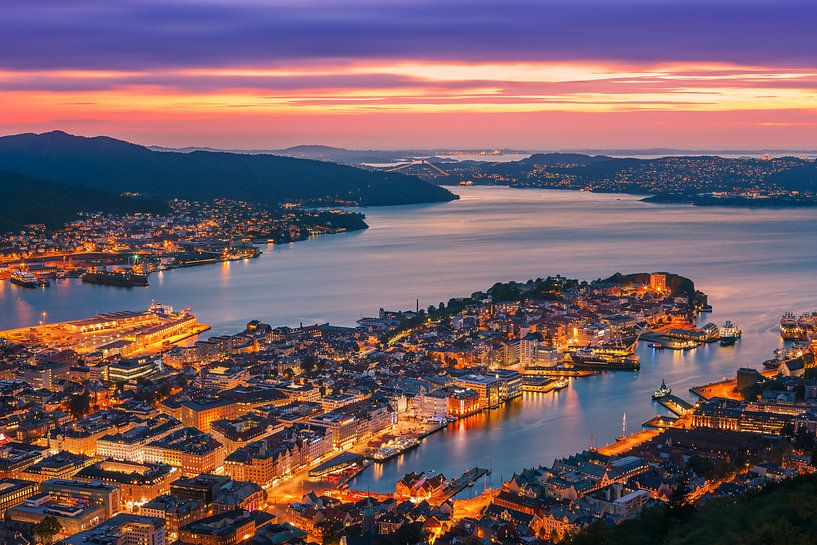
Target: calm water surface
[(754, 264)]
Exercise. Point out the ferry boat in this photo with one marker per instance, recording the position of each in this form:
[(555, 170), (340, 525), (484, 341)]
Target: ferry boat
[(24, 279), (122, 279), (662, 391), (729, 334), (594, 359), (400, 446), (790, 328)]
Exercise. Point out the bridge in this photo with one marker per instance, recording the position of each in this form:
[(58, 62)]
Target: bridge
[(437, 171)]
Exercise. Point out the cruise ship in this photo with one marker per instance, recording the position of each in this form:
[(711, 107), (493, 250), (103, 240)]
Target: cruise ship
[(791, 329), (729, 334)]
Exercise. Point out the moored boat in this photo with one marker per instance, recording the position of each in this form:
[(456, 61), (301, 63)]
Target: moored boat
[(662, 391), (729, 334), (122, 279)]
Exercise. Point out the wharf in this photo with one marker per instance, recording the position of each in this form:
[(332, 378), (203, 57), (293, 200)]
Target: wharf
[(724, 388), (628, 443), (559, 372), (675, 404), (461, 483), (337, 463), (660, 422)]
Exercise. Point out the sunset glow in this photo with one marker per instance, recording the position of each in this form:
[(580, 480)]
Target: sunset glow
[(363, 90)]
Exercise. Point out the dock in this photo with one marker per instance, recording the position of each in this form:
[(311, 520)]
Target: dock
[(462, 482), (660, 422), (675, 404), (338, 463), (558, 372)]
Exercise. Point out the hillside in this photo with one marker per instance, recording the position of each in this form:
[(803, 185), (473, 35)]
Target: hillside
[(779, 514), (118, 166), (25, 200)]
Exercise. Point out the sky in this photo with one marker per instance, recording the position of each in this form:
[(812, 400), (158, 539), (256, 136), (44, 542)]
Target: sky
[(388, 74)]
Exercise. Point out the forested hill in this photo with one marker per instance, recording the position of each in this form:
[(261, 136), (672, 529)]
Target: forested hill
[(25, 201), (118, 166), (780, 514)]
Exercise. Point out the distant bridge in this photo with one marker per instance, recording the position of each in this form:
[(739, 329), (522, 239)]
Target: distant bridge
[(418, 162)]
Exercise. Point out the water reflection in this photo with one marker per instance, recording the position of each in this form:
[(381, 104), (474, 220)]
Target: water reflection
[(755, 264)]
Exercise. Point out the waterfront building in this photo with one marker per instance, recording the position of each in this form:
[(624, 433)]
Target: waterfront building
[(510, 383), (488, 388), (463, 402), (431, 406)]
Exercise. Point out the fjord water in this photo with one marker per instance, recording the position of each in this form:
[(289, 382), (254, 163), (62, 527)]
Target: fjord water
[(754, 264)]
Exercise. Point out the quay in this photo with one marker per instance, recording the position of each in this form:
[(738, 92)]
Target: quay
[(461, 483), (338, 463), (724, 388), (675, 404), (627, 443), (558, 372), (660, 422)]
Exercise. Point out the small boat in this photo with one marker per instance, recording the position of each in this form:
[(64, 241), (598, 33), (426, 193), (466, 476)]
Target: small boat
[(623, 429), (662, 391), (657, 346)]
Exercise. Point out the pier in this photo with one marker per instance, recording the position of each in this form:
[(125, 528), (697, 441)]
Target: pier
[(660, 422), (558, 372), (461, 483), (675, 404)]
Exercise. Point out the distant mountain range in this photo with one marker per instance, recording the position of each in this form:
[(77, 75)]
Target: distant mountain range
[(369, 156), (118, 166), (25, 200)]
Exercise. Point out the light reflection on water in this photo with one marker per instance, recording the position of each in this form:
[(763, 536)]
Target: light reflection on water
[(755, 264)]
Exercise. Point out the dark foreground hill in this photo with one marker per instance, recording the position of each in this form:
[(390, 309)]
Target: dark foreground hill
[(781, 514), (25, 200), (118, 166)]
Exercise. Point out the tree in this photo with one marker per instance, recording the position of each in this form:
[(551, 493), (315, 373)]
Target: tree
[(47, 528), (79, 405)]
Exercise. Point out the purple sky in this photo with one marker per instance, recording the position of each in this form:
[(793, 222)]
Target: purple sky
[(154, 45)]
